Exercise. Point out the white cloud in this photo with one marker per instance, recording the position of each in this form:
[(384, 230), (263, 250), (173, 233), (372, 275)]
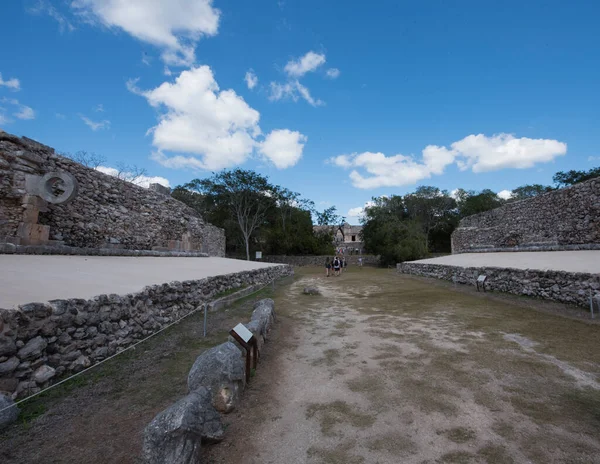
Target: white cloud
[(20, 111), (99, 108), (214, 128), (25, 112), (146, 59), (12, 84), (454, 194), (308, 63), (172, 25), (283, 147), (333, 73), (251, 79), (292, 90), (501, 151), (591, 159), (60, 116), (167, 71), (505, 194), (359, 211), (477, 152), (105, 124), (44, 7), (142, 181)]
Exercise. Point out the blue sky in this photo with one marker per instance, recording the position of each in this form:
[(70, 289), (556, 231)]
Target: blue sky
[(348, 102)]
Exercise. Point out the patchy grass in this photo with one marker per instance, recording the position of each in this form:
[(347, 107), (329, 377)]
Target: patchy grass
[(337, 412)]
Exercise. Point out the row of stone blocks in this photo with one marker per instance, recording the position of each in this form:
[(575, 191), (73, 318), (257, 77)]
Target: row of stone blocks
[(215, 383)]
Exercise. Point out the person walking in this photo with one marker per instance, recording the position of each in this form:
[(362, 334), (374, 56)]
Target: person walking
[(336, 266), (327, 267), (344, 263)]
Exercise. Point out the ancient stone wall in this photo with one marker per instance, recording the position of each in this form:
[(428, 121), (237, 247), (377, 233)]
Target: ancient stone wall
[(566, 287), (106, 212), (565, 219), (368, 260), (42, 342)]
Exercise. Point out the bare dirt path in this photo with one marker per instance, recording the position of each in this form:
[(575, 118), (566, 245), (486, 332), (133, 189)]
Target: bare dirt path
[(384, 368)]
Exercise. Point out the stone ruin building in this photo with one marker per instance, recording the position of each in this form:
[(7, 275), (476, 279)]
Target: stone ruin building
[(51, 204), (346, 237)]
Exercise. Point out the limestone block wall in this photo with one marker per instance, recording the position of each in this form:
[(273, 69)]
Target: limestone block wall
[(368, 260), (42, 342), (566, 287), (564, 219), (106, 213)]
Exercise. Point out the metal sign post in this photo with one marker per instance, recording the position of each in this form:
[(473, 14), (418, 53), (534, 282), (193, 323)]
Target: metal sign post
[(245, 338), (481, 280)]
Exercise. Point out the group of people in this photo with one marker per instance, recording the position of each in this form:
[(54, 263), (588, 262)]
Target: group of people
[(335, 266)]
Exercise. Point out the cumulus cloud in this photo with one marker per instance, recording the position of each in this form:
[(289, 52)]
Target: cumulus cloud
[(505, 194), (308, 63), (476, 152), (12, 84), (359, 211), (211, 128), (175, 26), (251, 79), (292, 90), (333, 73), (283, 147), (141, 180), (95, 125)]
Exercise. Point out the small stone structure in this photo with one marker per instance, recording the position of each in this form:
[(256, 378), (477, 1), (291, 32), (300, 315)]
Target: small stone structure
[(49, 200), (566, 287), (352, 260), (564, 219), (345, 237), (41, 342)]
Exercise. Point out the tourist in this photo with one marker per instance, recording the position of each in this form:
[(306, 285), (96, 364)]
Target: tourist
[(344, 263), (360, 261), (327, 267), (336, 266)]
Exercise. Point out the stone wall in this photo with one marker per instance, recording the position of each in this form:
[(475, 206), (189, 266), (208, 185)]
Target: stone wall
[(566, 287), (564, 219), (368, 260), (42, 342), (105, 213)]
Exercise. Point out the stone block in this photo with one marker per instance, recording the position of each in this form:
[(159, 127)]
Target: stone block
[(33, 234)]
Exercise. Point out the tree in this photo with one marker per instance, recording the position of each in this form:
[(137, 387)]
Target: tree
[(88, 159), (529, 191), (390, 233), (432, 208), (329, 217), (572, 177), (471, 202), (245, 194)]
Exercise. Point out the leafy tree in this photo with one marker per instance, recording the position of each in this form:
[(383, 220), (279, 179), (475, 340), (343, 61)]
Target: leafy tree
[(529, 191), (431, 207), (471, 202), (244, 194), (572, 177), (388, 232), (329, 217)]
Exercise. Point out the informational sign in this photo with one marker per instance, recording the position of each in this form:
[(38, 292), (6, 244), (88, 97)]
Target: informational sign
[(259, 255), (243, 332), (481, 281)]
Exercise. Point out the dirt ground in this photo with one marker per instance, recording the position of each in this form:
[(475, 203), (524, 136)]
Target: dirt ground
[(381, 368), (385, 368)]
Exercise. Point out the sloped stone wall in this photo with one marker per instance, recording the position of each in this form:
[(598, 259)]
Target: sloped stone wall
[(42, 342), (565, 219), (106, 213), (566, 287)]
